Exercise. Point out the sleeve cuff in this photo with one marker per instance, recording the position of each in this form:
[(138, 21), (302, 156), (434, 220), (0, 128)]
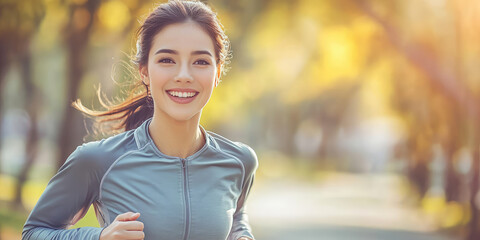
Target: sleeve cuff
[(238, 235)]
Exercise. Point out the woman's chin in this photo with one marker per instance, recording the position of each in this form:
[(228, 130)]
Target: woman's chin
[(183, 117), (177, 114)]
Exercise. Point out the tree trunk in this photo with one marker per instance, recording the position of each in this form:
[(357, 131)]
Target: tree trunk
[(4, 64), (3, 69), (69, 125), (453, 183), (420, 175), (32, 142), (474, 233), (76, 39)]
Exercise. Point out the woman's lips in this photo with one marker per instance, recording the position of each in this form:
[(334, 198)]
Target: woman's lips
[(182, 96)]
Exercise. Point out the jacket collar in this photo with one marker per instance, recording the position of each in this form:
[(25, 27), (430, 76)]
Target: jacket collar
[(142, 138)]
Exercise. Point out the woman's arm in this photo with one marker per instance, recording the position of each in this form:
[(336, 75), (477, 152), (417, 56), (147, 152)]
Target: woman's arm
[(66, 199), (241, 226)]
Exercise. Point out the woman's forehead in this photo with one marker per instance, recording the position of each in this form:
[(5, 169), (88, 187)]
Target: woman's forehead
[(183, 37)]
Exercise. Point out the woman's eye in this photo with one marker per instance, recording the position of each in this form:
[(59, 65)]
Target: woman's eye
[(201, 62), (166, 60)]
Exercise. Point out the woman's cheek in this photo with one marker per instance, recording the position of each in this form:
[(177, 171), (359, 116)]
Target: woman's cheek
[(208, 77), (161, 76)]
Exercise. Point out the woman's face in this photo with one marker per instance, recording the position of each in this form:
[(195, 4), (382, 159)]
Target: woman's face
[(181, 70)]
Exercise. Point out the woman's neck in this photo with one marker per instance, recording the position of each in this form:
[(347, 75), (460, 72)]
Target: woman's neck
[(176, 138)]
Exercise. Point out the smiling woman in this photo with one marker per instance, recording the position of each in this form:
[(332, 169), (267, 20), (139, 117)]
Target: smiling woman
[(164, 176), (182, 71)]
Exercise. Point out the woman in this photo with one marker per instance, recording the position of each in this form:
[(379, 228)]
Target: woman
[(165, 177)]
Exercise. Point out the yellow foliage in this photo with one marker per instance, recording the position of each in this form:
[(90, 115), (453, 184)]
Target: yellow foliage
[(340, 56), (48, 33), (8, 187), (313, 8), (448, 214), (78, 2), (377, 89), (228, 21), (31, 192), (434, 205), (114, 15), (454, 215), (225, 103)]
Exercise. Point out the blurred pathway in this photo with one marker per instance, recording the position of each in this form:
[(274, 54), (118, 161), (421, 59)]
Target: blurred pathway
[(344, 206)]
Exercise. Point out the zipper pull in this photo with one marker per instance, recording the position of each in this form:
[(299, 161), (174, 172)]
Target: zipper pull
[(183, 162)]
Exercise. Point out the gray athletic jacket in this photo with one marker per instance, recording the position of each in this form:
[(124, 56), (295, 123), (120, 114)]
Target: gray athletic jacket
[(201, 197)]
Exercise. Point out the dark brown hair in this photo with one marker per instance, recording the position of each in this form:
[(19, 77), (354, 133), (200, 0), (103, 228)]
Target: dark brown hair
[(138, 106)]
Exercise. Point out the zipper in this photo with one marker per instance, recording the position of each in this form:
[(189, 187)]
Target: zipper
[(187, 199)]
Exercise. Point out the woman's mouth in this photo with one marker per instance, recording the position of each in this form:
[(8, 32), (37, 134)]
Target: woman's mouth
[(182, 97), (182, 94)]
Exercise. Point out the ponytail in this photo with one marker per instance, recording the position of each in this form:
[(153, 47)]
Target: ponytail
[(125, 116)]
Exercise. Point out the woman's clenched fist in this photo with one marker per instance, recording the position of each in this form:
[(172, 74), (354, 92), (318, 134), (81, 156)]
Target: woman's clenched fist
[(123, 227)]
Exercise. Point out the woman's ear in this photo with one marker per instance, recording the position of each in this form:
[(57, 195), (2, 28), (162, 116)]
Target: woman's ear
[(144, 75)]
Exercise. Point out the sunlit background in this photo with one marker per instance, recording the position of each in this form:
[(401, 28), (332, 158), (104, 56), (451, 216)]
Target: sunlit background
[(364, 114)]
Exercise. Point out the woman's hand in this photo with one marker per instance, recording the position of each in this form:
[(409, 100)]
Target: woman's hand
[(124, 227)]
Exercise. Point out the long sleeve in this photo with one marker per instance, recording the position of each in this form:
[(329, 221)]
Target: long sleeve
[(66, 199), (241, 226)]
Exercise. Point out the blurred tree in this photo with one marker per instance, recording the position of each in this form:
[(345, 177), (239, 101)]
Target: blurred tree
[(332, 109), (83, 16), (474, 230), (19, 20), (443, 83), (33, 104), (76, 35)]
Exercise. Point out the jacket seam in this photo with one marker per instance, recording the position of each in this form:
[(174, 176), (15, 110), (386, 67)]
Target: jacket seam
[(241, 164), (100, 197)]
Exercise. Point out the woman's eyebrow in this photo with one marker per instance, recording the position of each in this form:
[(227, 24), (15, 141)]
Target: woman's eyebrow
[(200, 52), (171, 51), (166, 51)]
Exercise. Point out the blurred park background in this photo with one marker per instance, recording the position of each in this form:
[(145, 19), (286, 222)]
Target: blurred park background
[(364, 113)]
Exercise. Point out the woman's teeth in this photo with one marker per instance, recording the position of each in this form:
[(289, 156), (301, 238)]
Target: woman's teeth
[(182, 94)]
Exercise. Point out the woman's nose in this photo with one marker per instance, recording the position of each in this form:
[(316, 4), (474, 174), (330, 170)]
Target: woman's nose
[(184, 74)]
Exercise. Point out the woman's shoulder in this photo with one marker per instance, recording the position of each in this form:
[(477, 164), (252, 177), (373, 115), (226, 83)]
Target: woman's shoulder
[(240, 150), (101, 153)]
